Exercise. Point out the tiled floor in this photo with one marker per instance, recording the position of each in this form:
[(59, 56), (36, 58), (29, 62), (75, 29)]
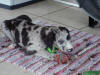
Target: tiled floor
[(50, 12)]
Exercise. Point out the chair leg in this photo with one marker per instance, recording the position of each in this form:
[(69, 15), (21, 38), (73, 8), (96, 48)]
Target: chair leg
[(92, 22)]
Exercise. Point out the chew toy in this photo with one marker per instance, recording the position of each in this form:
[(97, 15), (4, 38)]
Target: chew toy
[(60, 57), (51, 51)]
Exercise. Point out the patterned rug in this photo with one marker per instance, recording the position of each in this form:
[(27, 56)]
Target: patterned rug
[(88, 44)]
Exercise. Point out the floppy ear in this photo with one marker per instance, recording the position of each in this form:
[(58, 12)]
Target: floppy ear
[(49, 38), (25, 17), (65, 29)]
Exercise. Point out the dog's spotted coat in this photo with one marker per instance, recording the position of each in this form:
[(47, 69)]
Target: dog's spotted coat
[(33, 39)]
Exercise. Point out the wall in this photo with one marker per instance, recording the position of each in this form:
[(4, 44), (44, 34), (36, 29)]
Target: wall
[(12, 2), (6, 2)]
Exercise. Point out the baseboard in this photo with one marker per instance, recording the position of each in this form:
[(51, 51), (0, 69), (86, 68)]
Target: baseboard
[(18, 5)]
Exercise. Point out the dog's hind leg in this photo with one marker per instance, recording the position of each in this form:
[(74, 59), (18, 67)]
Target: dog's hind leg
[(7, 32), (30, 52)]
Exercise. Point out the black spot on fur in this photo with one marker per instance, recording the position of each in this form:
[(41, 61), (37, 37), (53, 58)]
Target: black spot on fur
[(60, 41), (9, 25), (30, 44), (28, 24), (13, 23), (24, 17), (25, 37), (29, 28), (17, 36), (36, 27), (31, 24), (65, 29), (25, 24), (37, 31), (17, 45), (49, 38)]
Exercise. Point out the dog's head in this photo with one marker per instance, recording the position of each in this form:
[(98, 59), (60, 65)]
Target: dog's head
[(13, 23), (63, 40), (58, 36)]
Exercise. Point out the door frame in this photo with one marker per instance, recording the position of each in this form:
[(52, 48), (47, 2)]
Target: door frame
[(67, 3)]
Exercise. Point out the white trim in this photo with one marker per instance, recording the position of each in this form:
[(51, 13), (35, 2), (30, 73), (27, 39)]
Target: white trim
[(6, 2), (67, 3)]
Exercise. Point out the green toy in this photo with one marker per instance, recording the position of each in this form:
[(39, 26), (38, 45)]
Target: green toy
[(91, 73), (53, 50)]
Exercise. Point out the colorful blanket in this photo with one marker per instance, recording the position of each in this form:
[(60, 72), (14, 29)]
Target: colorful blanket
[(86, 45)]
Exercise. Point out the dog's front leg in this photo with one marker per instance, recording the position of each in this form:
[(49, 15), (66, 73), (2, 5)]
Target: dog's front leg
[(52, 56), (45, 54), (11, 46)]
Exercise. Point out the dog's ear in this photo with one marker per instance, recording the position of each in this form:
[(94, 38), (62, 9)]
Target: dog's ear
[(24, 17), (49, 38), (64, 29), (67, 31)]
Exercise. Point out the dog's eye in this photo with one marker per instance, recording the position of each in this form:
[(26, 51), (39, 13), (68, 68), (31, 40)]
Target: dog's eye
[(60, 41), (30, 44)]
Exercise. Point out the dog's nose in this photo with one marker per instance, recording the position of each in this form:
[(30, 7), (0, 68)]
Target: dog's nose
[(70, 50)]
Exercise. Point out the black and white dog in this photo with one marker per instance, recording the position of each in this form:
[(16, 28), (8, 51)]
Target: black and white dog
[(33, 39)]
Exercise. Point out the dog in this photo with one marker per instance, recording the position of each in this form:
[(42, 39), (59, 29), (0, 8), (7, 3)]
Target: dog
[(34, 39), (92, 22)]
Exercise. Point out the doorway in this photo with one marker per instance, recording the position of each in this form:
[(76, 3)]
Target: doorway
[(69, 2)]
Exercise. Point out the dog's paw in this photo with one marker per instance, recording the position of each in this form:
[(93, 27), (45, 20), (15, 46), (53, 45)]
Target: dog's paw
[(12, 46), (52, 57)]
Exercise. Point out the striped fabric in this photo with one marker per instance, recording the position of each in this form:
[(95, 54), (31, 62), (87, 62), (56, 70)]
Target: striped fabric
[(89, 44)]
